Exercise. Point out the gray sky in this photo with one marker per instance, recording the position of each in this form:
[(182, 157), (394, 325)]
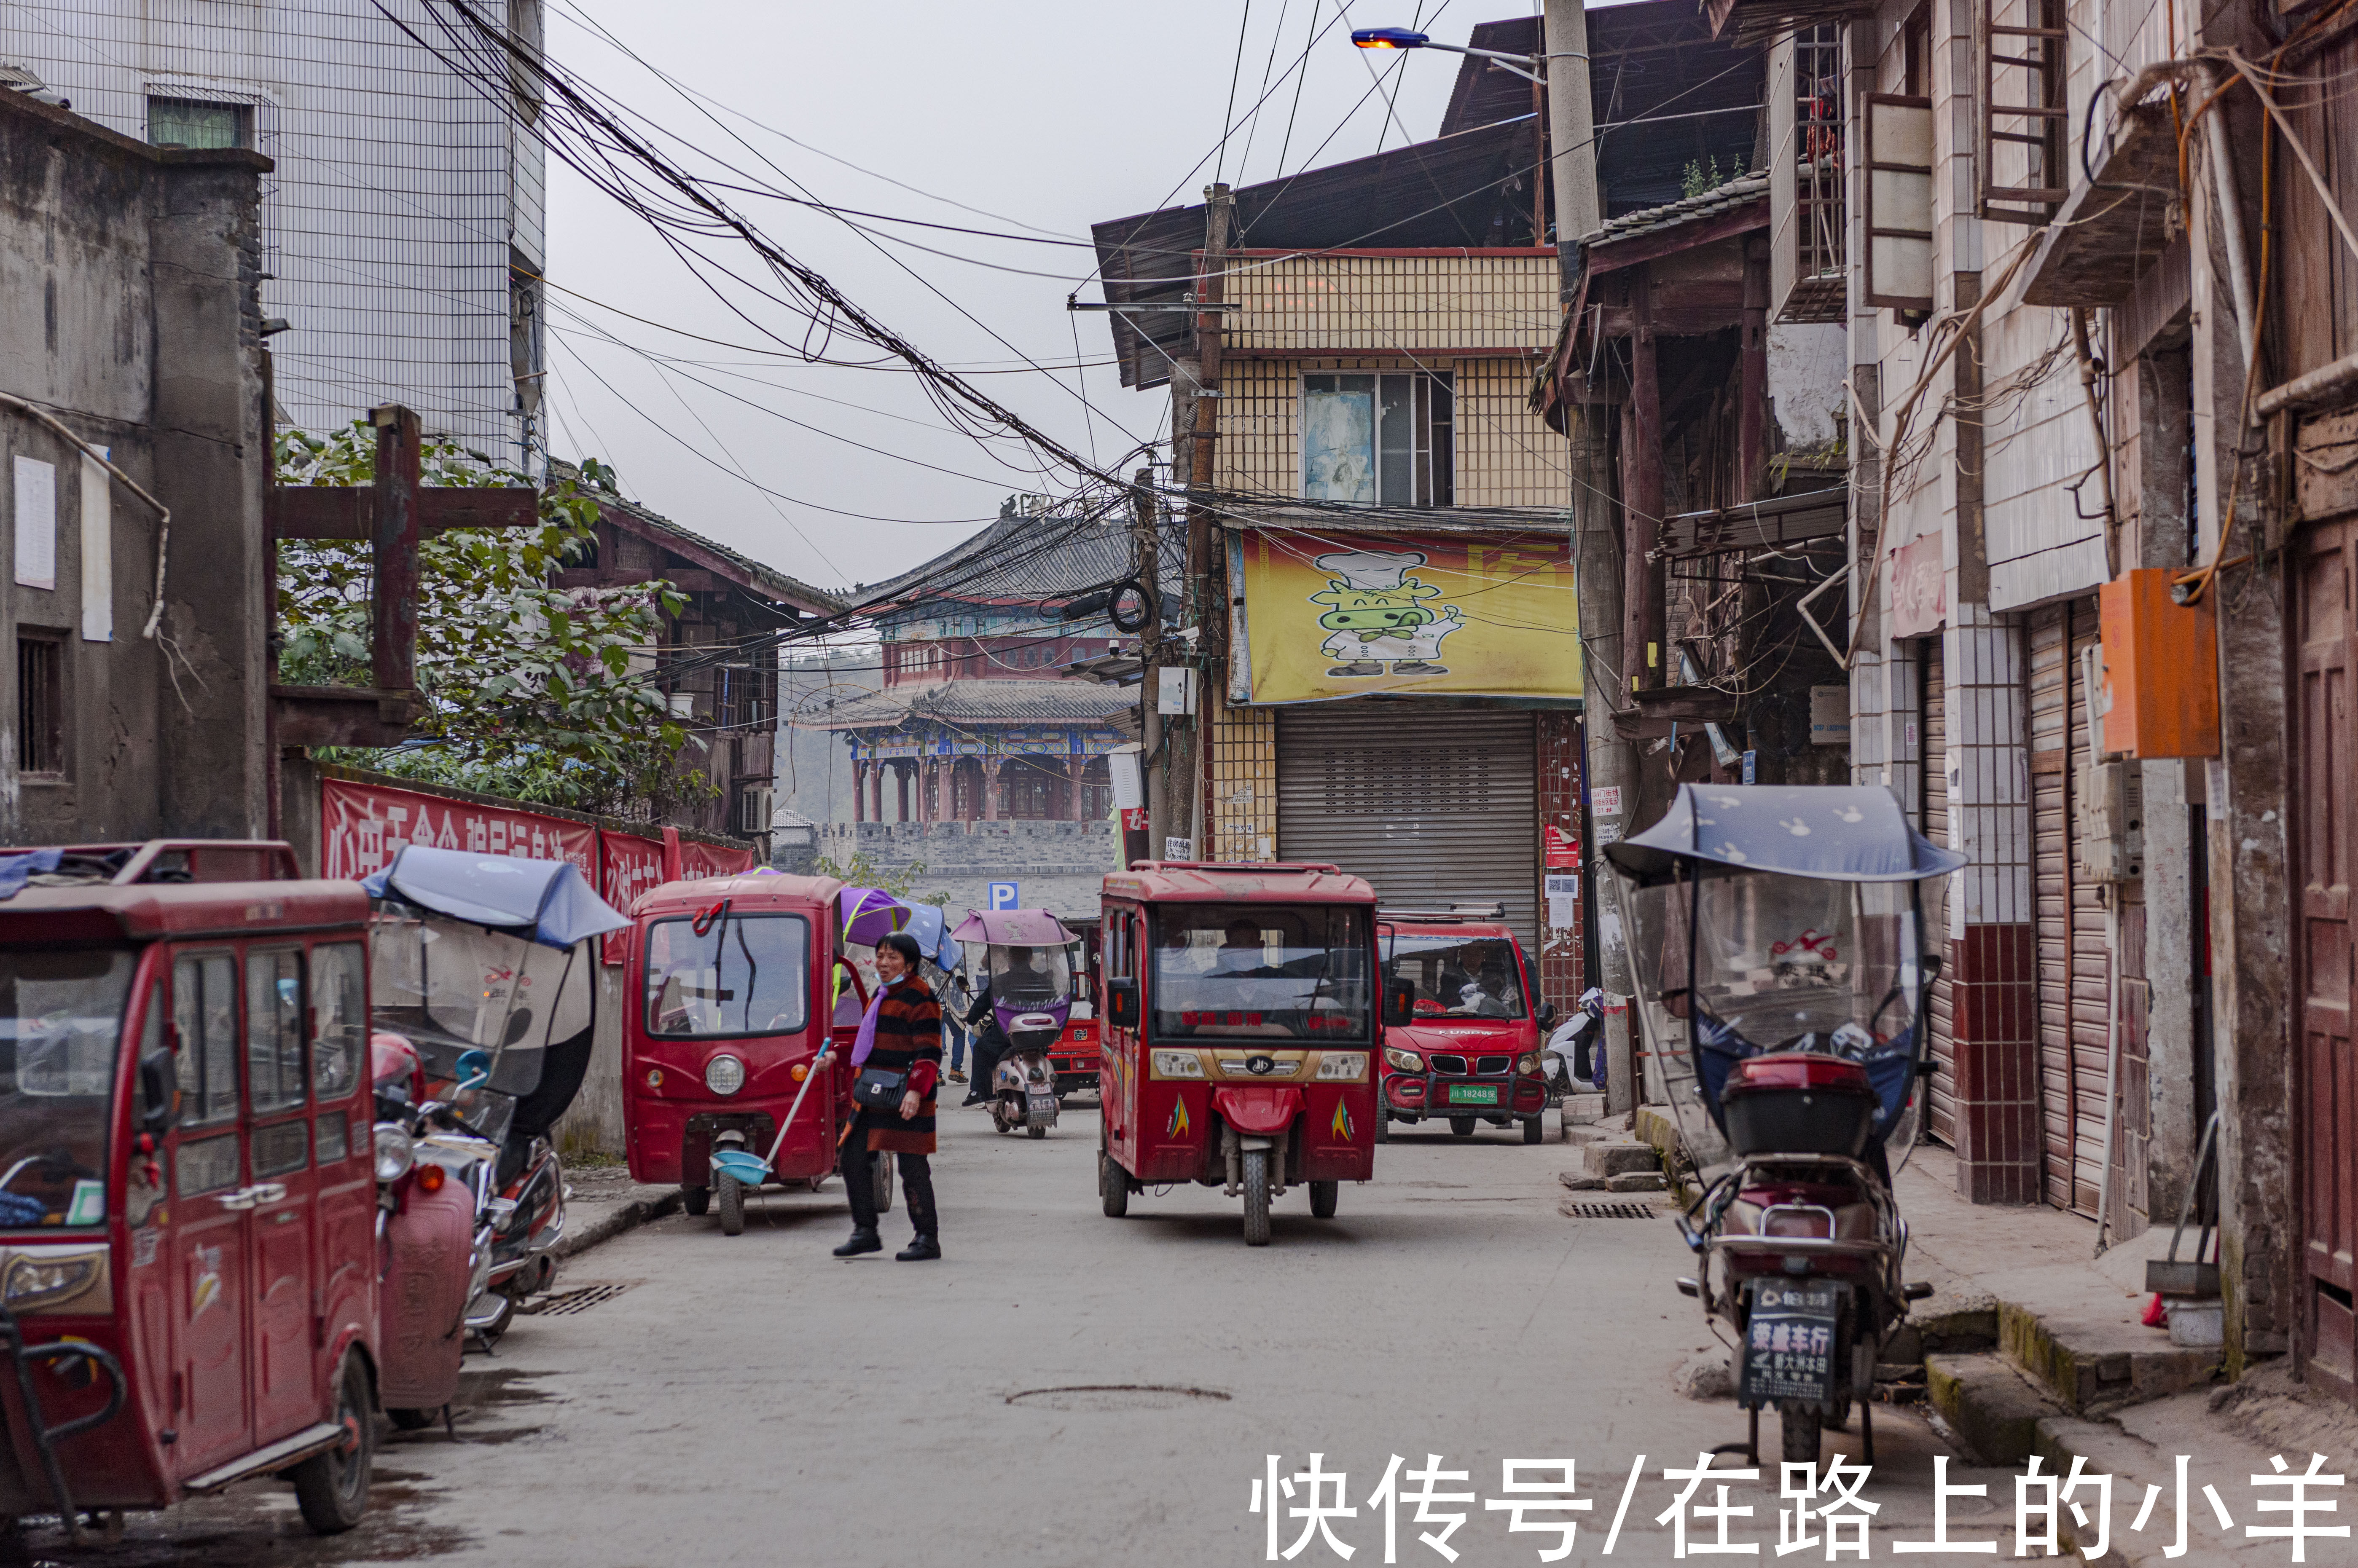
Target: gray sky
[(1047, 115)]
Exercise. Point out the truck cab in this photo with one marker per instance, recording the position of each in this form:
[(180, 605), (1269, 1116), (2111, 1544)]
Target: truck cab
[(1463, 1023)]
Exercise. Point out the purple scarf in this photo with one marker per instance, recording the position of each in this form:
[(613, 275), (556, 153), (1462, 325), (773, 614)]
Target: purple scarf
[(865, 1041)]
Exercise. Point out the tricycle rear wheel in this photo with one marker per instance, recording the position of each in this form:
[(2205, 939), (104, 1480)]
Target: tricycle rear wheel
[(1324, 1197), (1800, 1430), (1256, 1183), (412, 1420), (332, 1489), (696, 1201), (1383, 1125), (732, 1206), (1036, 1128), (1113, 1186), (1534, 1128)]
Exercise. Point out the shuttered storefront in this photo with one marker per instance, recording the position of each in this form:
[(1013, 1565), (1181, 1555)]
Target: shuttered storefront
[(2073, 982), (1434, 808), (1934, 793)]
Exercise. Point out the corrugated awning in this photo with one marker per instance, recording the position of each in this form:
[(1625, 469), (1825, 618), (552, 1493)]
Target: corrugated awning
[(1770, 524)]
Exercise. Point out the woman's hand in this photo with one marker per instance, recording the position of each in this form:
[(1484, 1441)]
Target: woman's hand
[(909, 1103)]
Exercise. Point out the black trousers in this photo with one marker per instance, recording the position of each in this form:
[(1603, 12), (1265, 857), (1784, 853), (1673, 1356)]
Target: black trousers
[(916, 1185), (988, 1049)]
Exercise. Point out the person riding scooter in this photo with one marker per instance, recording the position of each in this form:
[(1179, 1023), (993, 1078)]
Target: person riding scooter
[(987, 1039)]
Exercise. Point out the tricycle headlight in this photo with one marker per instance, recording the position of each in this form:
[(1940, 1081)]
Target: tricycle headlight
[(38, 1283), (724, 1075), (1178, 1065), (1406, 1061), (1529, 1062), (395, 1153), (1347, 1065)]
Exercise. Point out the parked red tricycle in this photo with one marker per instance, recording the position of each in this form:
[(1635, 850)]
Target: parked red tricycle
[(1240, 1031), (1464, 1023), (190, 1215), (741, 1010)]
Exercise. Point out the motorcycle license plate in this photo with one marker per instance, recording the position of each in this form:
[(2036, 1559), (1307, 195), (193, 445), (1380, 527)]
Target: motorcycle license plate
[(1043, 1105), (1473, 1094), (1789, 1342)]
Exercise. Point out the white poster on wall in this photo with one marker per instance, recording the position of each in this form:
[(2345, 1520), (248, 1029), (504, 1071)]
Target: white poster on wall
[(36, 522), (1563, 900)]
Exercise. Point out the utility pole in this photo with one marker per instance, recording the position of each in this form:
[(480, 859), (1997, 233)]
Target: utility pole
[(1188, 756), (1146, 566), (1612, 763)]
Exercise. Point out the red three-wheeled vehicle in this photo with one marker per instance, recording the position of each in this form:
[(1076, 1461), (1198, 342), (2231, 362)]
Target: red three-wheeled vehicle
[(734, 987), (201, 1279), (1240, 1032)]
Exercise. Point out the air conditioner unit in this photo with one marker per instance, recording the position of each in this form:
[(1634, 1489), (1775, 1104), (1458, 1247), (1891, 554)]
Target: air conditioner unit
[(754, 807)]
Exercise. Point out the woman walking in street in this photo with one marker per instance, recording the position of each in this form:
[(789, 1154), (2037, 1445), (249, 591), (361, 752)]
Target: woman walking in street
[(901, 1033)]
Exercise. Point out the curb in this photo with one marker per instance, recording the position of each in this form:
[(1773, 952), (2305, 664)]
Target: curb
[(626, 1217)]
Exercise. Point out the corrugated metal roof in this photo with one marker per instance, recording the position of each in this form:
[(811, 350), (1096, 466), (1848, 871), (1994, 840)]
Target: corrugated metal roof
[(963, 702), (1469, 190), (1687, 209)]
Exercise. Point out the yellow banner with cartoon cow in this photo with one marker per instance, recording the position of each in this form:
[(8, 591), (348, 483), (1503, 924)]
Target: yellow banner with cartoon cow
[(1333, 614)]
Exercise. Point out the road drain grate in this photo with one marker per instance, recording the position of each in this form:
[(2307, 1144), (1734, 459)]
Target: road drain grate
[(580, 1300), (1610, 1211)]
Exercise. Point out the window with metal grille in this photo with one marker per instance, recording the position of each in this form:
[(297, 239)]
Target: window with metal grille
[(40, 705), (1805, 185), (1379, 441), (195, 123), (2023, 115)]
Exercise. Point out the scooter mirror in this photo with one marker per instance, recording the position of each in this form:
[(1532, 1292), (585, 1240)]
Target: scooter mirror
[(1547, 1016)]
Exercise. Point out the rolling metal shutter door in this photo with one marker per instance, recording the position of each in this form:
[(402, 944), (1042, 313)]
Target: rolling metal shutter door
[(2073, 985), (1432, 807), (1935, 795)]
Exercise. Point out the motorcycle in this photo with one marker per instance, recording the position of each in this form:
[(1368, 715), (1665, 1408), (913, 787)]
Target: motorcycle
[(1575, 1051), (1783, 969), (479, 962), (1028, 962)]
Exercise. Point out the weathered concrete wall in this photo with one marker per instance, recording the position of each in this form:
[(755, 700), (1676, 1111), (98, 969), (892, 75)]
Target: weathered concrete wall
[(1058, 866), (129, 308)]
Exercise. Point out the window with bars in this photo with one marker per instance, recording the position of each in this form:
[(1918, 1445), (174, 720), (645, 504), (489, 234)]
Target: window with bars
[(40, 705), (2024, 117), (197, 123), (1806, 182), (1379, 441)]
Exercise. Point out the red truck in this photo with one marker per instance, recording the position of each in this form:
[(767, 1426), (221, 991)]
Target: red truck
[(1463, 1023)]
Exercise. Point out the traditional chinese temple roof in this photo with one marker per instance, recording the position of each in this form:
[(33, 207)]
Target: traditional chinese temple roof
[(977, 702)]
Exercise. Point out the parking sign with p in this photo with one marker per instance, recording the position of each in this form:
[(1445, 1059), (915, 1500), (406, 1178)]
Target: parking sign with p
[(1003, 895)]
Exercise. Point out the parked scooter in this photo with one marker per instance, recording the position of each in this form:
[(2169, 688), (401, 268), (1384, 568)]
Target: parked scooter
[(431, 1256), (1574, 1051), (1028, 965), (1781, 952), (481, 962)]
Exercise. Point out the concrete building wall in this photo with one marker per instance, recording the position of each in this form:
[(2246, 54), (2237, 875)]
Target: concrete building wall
[(129, 308), (399, 198)]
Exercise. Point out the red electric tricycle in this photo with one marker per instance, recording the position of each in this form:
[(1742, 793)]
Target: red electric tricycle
[(742, 1005), (1240, 1031), (199, 1271), (1466, 1046)]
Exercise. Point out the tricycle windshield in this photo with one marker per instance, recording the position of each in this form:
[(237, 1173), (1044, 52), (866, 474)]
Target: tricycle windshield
[(1455, 976), (1764, 962), (1032, 977), (1262, 970), (62, 1013), (454, 987), (738, 975)]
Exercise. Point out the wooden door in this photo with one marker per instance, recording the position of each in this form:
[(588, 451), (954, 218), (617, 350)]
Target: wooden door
[(2327, 1092)]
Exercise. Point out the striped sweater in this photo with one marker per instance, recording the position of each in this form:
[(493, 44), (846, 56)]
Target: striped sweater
[(908, 1040)]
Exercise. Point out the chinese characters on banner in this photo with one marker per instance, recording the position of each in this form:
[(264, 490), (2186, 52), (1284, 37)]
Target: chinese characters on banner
[(1309, 1514), (364, 825)]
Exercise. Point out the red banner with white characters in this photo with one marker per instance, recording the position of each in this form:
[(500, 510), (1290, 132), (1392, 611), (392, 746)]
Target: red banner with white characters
[(698, 860), (364, 825), (631, 863)]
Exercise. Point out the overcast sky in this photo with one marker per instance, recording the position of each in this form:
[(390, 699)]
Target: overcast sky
[(1047, 115)]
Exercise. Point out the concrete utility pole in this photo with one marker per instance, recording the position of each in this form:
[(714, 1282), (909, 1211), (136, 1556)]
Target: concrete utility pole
[(1185, 770), (1146, 563), (1612, 769)]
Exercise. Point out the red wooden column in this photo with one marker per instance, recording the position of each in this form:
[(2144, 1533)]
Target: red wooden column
[(859, 791), (1641, 496), (991, 766), (1073, 768)]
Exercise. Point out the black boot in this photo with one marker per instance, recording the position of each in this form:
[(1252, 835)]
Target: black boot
[(920, 1249), (863, 1239)]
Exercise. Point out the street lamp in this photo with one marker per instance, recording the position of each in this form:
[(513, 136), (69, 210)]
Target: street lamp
[(1527, 66)]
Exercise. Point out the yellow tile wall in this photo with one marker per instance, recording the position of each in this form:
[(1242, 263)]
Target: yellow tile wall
[(1243, 782), (1334, 303)]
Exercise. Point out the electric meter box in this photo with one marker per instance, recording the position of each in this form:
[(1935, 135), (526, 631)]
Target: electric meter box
[(2111, 840), (2161, 669)]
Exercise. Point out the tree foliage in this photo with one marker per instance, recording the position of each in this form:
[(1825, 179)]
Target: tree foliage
[(537, 693)]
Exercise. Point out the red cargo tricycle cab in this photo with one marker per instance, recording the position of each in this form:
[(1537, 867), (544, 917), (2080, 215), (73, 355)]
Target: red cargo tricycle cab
[(1240, 1032), (733, 989), (189, 1250), (1464, 1023)]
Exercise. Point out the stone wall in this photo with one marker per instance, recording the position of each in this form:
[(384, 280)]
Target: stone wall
[(1057, 866)]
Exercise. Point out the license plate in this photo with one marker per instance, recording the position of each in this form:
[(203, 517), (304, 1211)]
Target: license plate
[(1473, 1094), (1788, 1346), (1043, 1105)]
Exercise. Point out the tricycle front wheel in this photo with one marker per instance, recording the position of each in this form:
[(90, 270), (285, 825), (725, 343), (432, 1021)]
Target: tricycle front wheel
[(1534, 1128), (1462, 1126), (732, 1206), (332, 1489), (1113, 1186), (1256, 1183), (1324, 1197)]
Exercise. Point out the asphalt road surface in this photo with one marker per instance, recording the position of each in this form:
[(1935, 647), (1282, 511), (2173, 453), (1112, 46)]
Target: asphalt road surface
[(1065, 1388)]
